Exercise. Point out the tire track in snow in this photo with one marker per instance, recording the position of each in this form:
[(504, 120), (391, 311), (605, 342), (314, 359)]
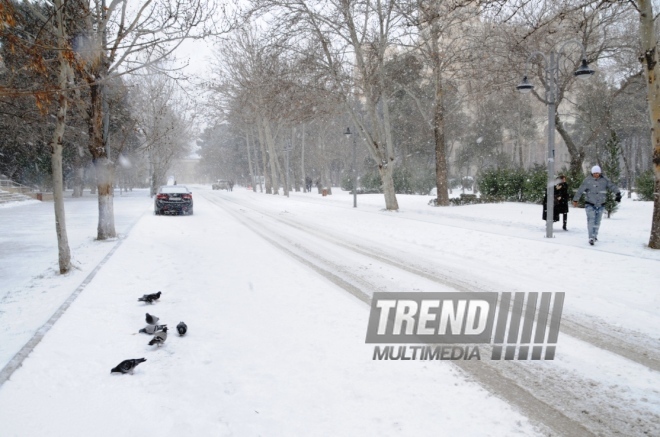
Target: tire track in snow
[(547, 416), (602, 339)]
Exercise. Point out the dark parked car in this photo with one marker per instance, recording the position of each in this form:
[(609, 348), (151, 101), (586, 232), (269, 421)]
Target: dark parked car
[(220, 185), (173, 199)]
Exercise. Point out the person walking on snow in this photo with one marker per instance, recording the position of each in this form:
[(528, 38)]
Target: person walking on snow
[(595, 188), (561, 199)]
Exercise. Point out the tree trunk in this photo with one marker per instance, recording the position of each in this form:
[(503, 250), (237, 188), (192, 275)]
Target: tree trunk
[(272, 157), (104, 177), (626, 165), (103, 166), (256, 168), (391, 203), (64, 252), (328, 179), (576, 153), (303, 175), (442, 194), (264, 158), (386, 177), (249, 155), (649, 43)]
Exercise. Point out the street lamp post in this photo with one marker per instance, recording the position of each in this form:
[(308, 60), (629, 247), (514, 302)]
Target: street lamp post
[(349, 133), (551, 76)]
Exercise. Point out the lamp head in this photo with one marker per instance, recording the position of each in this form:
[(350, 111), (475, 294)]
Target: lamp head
[(348, 131), (525, 86), (584, 71)]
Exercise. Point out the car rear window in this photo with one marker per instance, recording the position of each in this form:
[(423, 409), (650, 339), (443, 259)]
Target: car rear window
[(173, 189)]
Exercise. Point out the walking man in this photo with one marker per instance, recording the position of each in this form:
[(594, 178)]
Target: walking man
[(595, 188)]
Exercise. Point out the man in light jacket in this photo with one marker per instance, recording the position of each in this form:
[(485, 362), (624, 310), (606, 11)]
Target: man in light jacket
[(595, 188)]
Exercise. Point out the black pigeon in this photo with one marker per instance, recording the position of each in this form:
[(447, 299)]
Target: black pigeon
[(181, 328), (152, 320), (150, 329), (127, 366), (150, 298), (159, 337)]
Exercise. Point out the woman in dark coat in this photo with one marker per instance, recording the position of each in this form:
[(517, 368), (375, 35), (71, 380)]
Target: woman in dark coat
[(555, 213), (560, 202), (561, 199)]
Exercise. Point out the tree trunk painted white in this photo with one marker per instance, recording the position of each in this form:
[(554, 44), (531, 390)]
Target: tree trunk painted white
[(102, 165), (104, 177), (649, 58)]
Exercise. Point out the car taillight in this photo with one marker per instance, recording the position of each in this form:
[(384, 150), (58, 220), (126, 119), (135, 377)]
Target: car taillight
[(187, 196), (162, 197)]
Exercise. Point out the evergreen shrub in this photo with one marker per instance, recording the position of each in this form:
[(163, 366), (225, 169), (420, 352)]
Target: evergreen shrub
[(513, 184), (645, 185)]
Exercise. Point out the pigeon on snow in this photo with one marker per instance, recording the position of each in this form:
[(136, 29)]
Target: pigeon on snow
[(181, 328), (152, 320), (150, 329), (127, 366), (159, 337), (150, 298)]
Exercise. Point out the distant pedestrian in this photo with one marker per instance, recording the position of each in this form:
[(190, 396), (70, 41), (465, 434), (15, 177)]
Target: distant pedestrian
[(308, 184), (561, 199), (555, 211), (595, 188)]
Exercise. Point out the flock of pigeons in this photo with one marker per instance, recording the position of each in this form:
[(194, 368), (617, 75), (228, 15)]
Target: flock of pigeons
[(159, 333)]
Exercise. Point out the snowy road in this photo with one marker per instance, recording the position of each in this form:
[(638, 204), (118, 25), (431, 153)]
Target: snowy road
[(581, 399), (274, 293)]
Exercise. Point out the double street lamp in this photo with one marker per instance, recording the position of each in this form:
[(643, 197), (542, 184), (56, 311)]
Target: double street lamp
[(551, 77), (349, 133)]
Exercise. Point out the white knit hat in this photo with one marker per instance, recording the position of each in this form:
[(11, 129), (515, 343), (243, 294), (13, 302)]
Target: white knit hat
[(595, 169)]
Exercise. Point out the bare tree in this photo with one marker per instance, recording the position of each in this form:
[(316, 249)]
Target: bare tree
[(41, 33), (443, 38), (64, 57), (122, 37), (352, 39), (164, 120)]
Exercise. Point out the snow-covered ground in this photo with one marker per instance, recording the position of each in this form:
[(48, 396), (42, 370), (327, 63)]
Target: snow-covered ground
[(276, 341)]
